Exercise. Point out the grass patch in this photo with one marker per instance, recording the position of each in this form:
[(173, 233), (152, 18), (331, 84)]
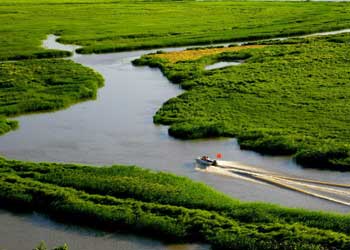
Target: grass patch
[(288, 98), (194, 54), (43, 85), (165, 206), (42, 246)]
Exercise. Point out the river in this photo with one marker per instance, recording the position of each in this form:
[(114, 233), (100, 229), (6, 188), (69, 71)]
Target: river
[(118, 128)]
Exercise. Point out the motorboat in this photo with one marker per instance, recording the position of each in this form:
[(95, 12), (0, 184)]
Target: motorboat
[(206, 161)]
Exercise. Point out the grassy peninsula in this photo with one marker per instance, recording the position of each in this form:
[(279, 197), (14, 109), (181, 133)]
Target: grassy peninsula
[(287, 98), (43, 85), (128, 198)]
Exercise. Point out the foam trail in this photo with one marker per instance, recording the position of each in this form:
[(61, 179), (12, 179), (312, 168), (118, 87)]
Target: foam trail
[(320, 189), (221, 171), (325, 189), (279, 183)]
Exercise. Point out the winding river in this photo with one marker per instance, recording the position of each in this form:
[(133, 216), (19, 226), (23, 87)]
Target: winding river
[(118, 128)]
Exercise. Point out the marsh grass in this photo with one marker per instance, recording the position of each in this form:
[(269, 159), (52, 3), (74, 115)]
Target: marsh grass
[(109, 26), (164, 206)]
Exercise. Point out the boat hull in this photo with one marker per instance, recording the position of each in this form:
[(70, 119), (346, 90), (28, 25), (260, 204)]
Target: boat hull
[(204, 162)]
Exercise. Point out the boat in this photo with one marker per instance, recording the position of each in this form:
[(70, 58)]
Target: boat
[(206, 161)]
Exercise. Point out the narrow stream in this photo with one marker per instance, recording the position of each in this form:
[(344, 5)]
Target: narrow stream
[(118, 128), (220, 65)]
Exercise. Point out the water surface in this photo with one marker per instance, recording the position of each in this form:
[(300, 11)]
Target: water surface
[(220, 65), (25, 231)]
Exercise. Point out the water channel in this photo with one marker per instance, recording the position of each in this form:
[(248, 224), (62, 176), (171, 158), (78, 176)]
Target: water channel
[(118, 128)]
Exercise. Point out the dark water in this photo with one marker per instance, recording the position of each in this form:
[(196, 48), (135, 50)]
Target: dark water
[(118, 128), (21, 231)]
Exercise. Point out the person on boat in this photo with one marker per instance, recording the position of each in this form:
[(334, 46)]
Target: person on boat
[(205, 158)]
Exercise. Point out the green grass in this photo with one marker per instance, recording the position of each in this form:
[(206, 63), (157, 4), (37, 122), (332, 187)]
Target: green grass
[(165, 206), (7, 126), (43, 85), (290, 99), (105, 26), (42, 246)]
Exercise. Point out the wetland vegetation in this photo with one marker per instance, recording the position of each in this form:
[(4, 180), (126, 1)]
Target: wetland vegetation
[(128, 198), (289, 98)]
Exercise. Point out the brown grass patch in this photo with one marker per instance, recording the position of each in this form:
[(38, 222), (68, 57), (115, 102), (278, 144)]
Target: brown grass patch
[(186, 55)]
